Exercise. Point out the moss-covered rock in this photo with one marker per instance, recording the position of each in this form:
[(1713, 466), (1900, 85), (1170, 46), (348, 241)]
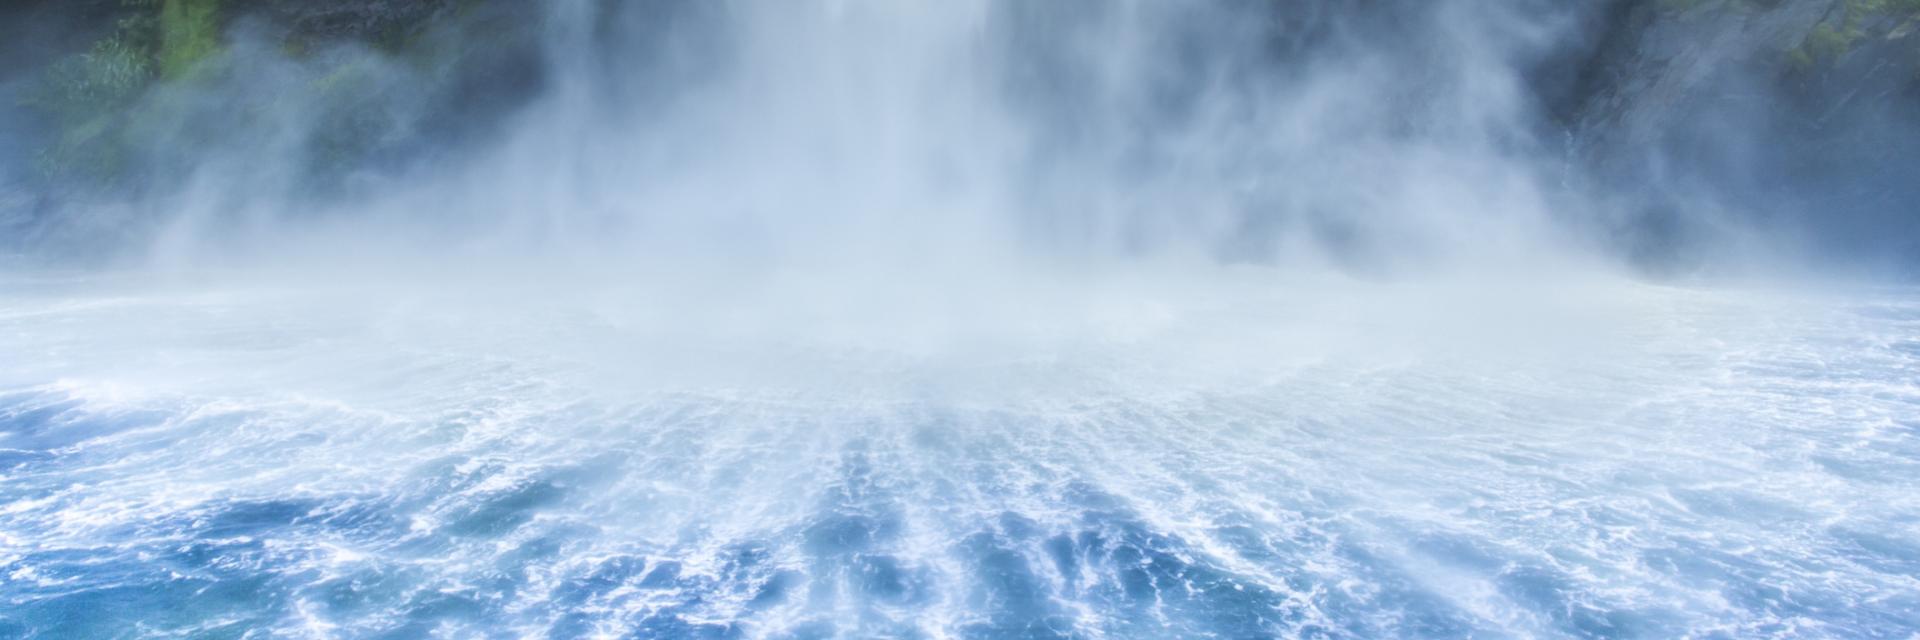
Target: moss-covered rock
[(1848, 25), (189, 32), (1782, 112), (86, 98), (367, 78)]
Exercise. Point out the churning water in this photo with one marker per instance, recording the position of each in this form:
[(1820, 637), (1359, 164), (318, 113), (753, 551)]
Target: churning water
[(1178, 462), (950, 320)]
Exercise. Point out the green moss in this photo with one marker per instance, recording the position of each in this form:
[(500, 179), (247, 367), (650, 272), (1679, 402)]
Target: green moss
[(93, 100), (189, 33), (103, 79), (1847, 27), (113, 113), (85, 97)]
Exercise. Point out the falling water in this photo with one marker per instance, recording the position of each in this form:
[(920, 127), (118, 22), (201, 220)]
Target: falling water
[(849, 318)]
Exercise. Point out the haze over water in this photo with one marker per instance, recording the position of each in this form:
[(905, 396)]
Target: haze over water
[(963, 319)]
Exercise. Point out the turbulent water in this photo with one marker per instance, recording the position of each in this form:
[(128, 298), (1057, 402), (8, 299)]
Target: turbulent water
[(968, 319), (1241, 458)]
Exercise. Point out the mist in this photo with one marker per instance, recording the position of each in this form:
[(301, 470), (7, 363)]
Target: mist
[(963, 319), (1382, 138)]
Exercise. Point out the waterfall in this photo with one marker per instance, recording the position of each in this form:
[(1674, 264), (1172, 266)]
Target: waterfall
[(931, 319)]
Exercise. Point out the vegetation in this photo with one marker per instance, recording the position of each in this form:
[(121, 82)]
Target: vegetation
[(92, 99), (103, 115), (86, 98), (189, 32), (1850, 23)]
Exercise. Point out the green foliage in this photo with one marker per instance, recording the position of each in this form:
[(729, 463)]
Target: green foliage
[(1847, 27), (1850, 23), (135, 104), (86, 97), (189, 32), (92, 83), (92, 99)]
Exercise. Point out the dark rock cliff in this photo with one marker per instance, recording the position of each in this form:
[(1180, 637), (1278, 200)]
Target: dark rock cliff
[(1794, 115), (1686, 117)]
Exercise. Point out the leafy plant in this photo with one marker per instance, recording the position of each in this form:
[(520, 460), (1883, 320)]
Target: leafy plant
[(189, 32), (85, 97)]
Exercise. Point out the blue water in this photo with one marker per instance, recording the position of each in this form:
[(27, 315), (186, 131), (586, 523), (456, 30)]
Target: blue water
[(224, 467)]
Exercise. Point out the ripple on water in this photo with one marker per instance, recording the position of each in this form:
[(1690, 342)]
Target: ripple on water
[(1765, 490)]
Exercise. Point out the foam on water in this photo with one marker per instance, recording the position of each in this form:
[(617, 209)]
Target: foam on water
[(965, 319), (1234, 459)]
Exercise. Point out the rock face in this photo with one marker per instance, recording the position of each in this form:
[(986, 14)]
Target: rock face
[(95, 90), (356, 19), (1791, 115), (1693, 116), (1657, 64), (108, 101)]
